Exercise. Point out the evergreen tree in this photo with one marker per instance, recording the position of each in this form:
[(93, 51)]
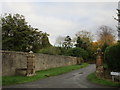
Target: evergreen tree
[(118, 14), (67, 43), (17, 35), (79, 42)]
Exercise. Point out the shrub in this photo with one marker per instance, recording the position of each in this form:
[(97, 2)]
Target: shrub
[(63, 51), (50, 50), (112, 57), (105, 45), (91, 56), (78, 52)]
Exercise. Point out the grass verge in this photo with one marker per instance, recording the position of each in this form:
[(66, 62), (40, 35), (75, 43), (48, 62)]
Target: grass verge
[(8, 80), (92, 77)]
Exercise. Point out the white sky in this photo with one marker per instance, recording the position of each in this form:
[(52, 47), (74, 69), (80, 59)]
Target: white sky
[(64, 18)]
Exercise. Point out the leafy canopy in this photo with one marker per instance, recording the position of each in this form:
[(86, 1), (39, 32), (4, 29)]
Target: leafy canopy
[(17, 35)]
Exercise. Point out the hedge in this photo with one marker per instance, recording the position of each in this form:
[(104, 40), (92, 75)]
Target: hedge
[(112, 57)]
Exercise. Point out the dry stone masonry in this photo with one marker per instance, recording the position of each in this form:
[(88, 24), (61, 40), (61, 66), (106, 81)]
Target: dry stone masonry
[(99, 63), (27, 63), (30, 64)]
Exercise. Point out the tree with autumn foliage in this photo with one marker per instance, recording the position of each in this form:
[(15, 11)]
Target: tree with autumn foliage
[(83, 39), (106, 37)]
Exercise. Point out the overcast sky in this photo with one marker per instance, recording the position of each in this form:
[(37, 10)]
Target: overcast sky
[(65, 18)]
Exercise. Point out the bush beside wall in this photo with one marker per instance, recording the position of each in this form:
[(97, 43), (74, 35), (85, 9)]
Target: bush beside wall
[(112, 57)]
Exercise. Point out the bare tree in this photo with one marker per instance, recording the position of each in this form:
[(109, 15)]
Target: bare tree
[(59, 40), (106, 35), (85, 36)]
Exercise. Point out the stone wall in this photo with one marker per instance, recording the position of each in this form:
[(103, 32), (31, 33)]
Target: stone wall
[(15, 60), (12, 61)]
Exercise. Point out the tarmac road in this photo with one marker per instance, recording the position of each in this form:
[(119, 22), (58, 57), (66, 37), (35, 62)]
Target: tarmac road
[(74, 79)]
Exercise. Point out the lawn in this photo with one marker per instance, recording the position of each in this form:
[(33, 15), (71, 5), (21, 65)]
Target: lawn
[(8, 80), (92, 77)]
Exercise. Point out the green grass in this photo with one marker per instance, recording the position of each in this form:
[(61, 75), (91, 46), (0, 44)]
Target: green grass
[(92, 77), (8, 80)]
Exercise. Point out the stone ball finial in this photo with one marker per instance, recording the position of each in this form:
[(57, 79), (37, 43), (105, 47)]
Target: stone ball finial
[(99, 50), (31, 52)]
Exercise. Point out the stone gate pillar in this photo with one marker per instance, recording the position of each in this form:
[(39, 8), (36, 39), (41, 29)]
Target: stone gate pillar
[(30, 64), (99, 63)]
